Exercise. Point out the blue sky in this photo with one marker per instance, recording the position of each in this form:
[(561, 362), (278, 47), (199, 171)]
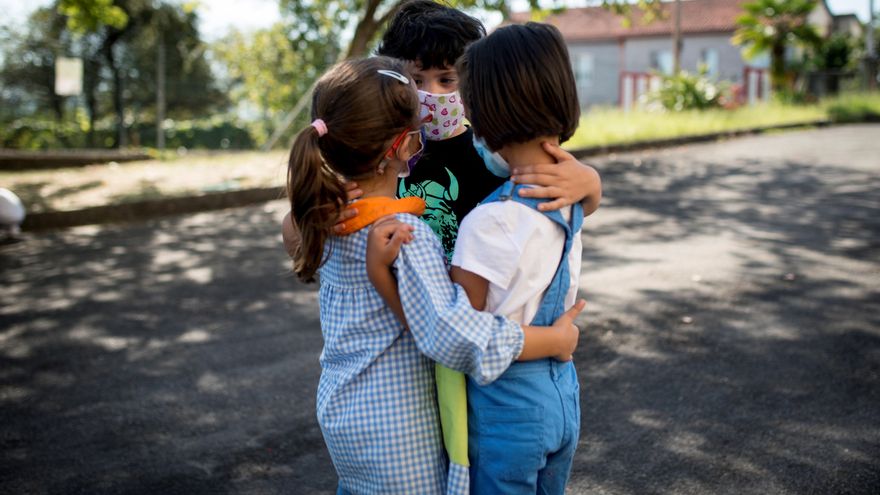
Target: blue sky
[(218, 16)]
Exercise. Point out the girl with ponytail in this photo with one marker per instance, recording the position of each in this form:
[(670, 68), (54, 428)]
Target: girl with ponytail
[(376, 401)]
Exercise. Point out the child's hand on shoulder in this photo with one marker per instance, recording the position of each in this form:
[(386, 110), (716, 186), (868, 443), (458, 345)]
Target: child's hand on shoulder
[(568, 332), (565, 182), (351, 188), (384, 240)]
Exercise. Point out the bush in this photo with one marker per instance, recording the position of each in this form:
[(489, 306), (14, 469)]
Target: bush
[(686, 91), (856, 107), (36, 134)]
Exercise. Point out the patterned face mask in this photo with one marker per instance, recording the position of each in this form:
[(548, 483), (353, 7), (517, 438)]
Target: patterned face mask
[(448, 114)]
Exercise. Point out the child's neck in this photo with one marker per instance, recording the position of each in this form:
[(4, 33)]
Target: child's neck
[(528, 153), (379, 186)]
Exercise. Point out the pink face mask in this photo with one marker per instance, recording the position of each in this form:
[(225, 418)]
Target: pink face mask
[(448, 114)]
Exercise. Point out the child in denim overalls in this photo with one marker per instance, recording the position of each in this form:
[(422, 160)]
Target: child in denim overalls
[(514, 260)]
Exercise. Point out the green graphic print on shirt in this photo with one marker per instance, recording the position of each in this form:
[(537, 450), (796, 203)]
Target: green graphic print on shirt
[(439, 214)]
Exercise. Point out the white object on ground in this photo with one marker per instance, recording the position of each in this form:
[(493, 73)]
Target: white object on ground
[(11, 212)]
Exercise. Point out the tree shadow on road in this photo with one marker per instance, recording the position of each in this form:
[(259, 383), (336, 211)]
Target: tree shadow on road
[(764, 381), (180, 356), (165, 357)]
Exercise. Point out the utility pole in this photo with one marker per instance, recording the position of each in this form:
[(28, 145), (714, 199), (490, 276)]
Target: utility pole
[(871, 50), (160, 88), (676, 40)]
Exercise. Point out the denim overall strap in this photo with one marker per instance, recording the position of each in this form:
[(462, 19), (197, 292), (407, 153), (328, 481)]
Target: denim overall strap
[(552, 305)]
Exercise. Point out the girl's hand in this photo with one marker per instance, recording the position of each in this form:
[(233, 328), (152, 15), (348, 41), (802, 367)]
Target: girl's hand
[(384, 240), (567, 331), (567, 181), (349, 212)]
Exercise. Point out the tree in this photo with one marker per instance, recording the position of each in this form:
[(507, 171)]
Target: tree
[(325, 21), (191, 85), (28, 69), (773, 25), (123, 34), (121, 86), (266, 72), (110, 22), (328, 19)]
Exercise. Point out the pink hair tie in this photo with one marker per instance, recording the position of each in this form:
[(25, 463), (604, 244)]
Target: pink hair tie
[(320, 126)]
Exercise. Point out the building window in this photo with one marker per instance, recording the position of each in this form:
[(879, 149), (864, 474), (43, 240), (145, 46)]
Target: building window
[(709, 60), (583, 70), (661, 61)]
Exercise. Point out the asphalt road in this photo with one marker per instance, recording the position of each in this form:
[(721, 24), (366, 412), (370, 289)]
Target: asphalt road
[(731, 345)]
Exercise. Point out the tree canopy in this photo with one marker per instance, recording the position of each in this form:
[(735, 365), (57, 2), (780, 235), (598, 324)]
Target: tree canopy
[(771, 26)]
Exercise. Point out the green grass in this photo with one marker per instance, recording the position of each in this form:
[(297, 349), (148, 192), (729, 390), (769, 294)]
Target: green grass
[(606, 126), (855, 107)]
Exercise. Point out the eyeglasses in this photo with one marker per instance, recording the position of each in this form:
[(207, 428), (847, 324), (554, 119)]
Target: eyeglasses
[(397, 142)]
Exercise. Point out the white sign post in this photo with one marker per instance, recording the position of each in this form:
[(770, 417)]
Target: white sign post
[(68, 76)]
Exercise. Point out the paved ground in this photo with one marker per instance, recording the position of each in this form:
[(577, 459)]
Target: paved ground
[(732, 341)]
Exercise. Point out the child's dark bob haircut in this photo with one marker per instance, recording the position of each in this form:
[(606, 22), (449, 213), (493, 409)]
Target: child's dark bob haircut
[(430, 33), (517, 85)]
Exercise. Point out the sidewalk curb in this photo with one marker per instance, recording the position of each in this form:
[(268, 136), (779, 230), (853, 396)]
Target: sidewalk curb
[(125, 212), (25, 160)]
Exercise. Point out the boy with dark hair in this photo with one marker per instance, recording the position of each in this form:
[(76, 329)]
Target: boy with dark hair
[(431, 33), (450, 177)]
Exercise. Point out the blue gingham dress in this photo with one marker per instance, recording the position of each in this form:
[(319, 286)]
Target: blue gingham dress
[(377, 403)]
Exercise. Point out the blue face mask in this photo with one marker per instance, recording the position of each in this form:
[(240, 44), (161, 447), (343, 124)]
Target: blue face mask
[(494, 162)]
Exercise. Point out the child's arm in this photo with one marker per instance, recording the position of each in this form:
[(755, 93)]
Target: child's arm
[(446, 327), (567, 181), (290, 232), (558, 341), (383, 244), (476, 287), (290, 235)]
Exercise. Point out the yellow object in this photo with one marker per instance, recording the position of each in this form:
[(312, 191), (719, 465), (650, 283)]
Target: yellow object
[(452, 401)]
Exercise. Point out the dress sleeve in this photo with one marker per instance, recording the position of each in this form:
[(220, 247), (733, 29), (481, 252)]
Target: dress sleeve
[(445, 326)]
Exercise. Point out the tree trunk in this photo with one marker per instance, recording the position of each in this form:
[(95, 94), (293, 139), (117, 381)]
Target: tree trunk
[(91, 68), (363, 33), (676, 40), (368, 26), (117, 88), (777, 67)]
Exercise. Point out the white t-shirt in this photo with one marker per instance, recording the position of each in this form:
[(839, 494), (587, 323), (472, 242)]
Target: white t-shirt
[(517, 249)]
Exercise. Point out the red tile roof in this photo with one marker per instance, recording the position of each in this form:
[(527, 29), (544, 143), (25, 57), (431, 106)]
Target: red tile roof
[(597, 23)]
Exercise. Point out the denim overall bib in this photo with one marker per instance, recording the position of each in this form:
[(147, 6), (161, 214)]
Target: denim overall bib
[(523, 428)]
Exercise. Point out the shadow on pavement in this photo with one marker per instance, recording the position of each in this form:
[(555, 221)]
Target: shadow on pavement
[(732, 344), (765, 379), (177, 356)]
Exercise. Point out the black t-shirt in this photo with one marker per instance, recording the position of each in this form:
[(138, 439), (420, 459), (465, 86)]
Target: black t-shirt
[(452, 179)]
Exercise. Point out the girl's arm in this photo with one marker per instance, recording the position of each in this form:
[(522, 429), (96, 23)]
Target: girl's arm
[(446, 328), (558, 341), (383, 244), (567, 181), (477, 287)]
